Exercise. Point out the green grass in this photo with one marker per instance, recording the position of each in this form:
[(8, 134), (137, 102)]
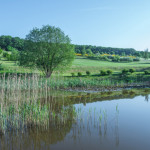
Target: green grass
[(85, 62), (12, 67), (82, 64)]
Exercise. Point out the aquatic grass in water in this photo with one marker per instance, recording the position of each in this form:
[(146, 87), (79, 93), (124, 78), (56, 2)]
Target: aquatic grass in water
[(20, 117), (34, 81), (16, 117), (21, 101)]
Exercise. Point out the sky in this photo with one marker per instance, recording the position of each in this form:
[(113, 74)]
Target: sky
[(109, 23)]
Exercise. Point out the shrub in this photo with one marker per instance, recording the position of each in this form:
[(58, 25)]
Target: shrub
[(1, 51), (136, 59), (125, 71), (1, 68), (9, 48), (131, 78), (103, 72), (128, 73), (92, 57), (5, 54), (105, 58), (88, 73), (14, 55), (79, 74), (8, 56), (126, 59), (116, 59), (109, 72), (146, 72), (73, 74), (131, 70)]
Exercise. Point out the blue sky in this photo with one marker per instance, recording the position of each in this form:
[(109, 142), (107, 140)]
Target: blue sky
[(111, 23)]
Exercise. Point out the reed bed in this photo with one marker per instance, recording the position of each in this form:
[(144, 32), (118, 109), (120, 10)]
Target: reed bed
[(34, 82), (20, 118), (25, 109), (29, 101)]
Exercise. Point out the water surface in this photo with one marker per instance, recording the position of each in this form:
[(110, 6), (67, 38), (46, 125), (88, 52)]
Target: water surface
[(74, 121)]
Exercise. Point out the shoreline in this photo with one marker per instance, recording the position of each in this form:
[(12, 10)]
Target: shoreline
[(106, 89)]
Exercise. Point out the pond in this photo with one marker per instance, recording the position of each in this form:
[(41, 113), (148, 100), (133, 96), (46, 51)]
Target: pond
[(75, 120)]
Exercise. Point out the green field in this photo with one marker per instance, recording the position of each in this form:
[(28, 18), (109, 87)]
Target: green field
[(82, 64), (13, 67)]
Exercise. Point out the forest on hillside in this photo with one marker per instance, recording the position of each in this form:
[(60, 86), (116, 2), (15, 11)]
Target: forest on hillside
[(89, 49), (9, 43)]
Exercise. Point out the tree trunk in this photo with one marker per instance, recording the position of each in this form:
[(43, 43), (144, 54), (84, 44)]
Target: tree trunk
[(48, 74)]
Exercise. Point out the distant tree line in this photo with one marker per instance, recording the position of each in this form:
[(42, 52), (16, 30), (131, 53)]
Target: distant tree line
[(10, 47), (88, 49), (9, 43)]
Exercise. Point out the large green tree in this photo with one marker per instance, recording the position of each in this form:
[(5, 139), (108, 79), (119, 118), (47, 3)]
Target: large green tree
[(48, 49)]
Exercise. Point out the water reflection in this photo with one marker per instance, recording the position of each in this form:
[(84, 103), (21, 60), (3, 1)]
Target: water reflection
[(28, 120), (147, 97)]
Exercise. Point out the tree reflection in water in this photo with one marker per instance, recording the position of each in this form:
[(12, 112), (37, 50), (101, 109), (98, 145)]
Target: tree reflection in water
[(147, 97), (31, 121)]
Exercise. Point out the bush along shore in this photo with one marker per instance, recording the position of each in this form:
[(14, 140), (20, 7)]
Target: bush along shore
[(105, 80)]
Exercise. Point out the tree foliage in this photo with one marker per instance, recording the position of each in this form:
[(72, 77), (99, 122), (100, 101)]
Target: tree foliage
[(146, 54), (89, 52), (1, 50), (110, 50), (14, 55), (48, 49), (8, 42)]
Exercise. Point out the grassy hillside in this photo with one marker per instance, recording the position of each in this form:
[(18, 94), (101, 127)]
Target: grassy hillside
[(82, 64), (94, 81), (12, 67)]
